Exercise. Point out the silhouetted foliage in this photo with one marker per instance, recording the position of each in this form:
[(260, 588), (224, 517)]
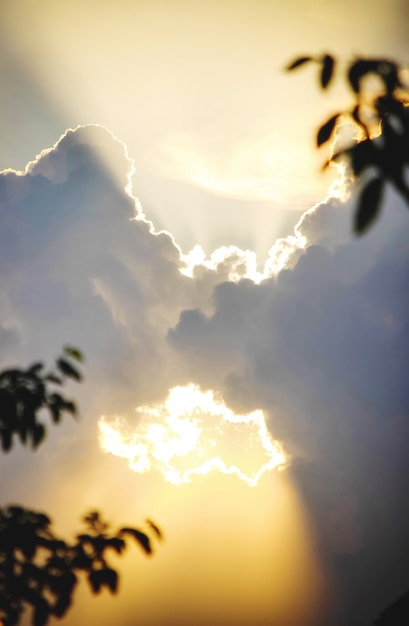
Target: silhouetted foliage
[(40, 570), (381, 153), (26, 394), (37, 568)]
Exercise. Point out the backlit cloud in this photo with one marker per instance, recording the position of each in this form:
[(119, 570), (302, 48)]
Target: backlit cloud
[(192, 433), (314, 339)]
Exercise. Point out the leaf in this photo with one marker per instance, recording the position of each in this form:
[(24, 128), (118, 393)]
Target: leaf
[(52, 378), (362, 155), (22, 433), (155, 529), (116, 543), (82, 560), (68, 370), (388, 71), (41, 613), (37, 434), (55, 412), (43, 521), (6, 439), (95, 580), (355, 114), (369, 205), (95, 522), (35, 368), (68, 580), (70, 406), (297, 63), (328, 64), (74, 353), (62, 605), (100, 577), (326, 130), (358, 69), (109, 577), (16, 511), (58, 403), (85, 538), (140, 537)]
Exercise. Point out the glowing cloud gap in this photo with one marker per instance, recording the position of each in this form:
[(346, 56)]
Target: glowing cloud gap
[(193, 432), (239, 264)]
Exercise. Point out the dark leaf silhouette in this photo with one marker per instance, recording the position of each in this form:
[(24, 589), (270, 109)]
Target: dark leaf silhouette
[(74, 353), (109, 578), (62, 604), (95, 523), (95, 580), (357, 117), (116, 543), (383, 121), (298, 62), (23, 394), (68, 370), (326, 130), (6, 440), (368, 205), (386, 70), (53, 378), (38, 434), (39, 569), (361, 156), (358, 70), (141, 538), (327, 70), (155, 529), (41, 613)]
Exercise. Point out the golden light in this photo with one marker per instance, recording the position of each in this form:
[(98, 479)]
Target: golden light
[(193, 432), (255, 166), (240, 263)]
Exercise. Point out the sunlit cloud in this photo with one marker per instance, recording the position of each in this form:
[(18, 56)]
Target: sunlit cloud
[(256, 169), (57, 163), (239, 263), (80, 261), (193, 432)]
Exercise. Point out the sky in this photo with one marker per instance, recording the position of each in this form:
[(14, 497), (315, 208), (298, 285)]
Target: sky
[(162, 208)]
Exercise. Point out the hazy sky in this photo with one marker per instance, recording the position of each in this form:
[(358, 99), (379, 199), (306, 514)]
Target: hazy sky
[(198, 93), (185, 120)]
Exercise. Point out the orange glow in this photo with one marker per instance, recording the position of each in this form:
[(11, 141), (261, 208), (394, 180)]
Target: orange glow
[(232, 556)]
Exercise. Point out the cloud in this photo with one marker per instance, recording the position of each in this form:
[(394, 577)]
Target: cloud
[(321, 337), (320, 347), (316, 342), (78, 255), (193, 433)]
